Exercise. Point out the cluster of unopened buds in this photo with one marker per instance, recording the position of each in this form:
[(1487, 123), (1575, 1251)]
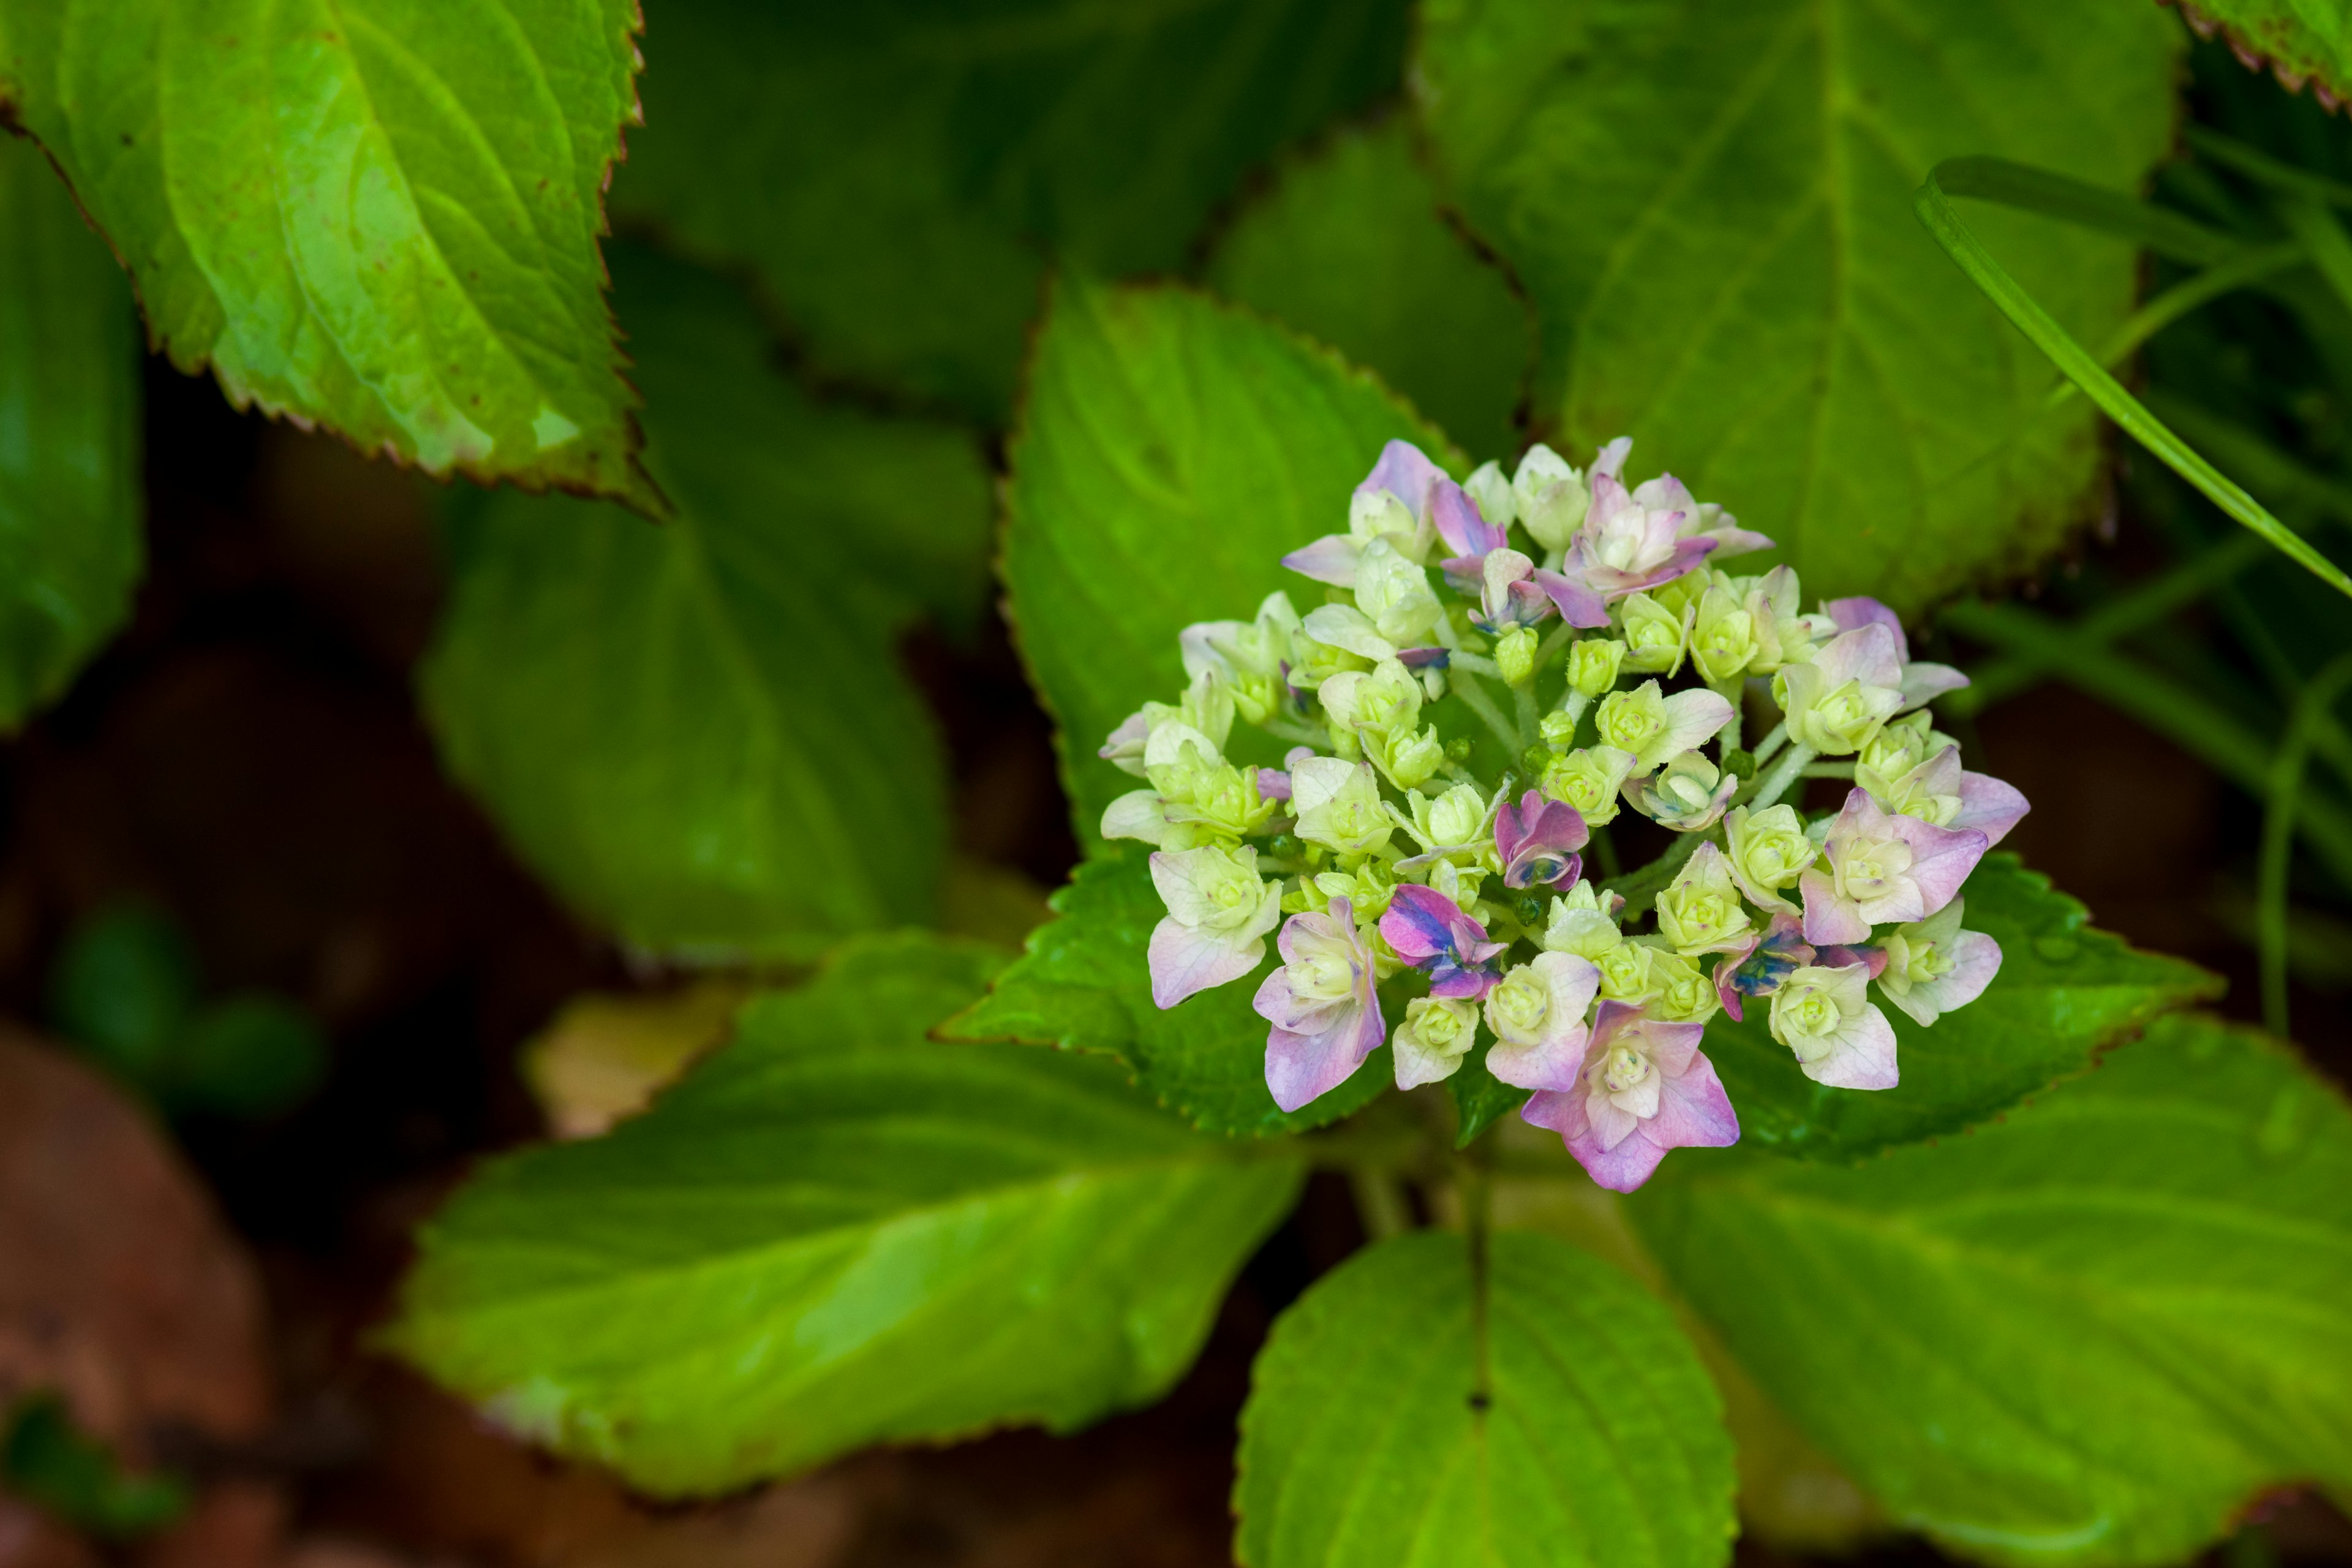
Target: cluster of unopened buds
[(1453, 745)]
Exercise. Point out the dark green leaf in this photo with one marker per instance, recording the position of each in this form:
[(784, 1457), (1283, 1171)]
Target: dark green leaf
[(1600, 1441), (1170, 452), (360, 214), (698, 733), (1479, 1097), (1349, 247), (1085, 986), (2066, 992), (835, 1232), (46, 1462), (912, 167), (2086, 1335), (2300, 42), (70, 540), (123, 989), (1709, 202)]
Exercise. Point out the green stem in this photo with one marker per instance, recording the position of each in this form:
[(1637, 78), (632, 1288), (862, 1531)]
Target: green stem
[(1475, 697), (1774, 738), (1379, 1203), (1523, 699), (1935, 211), (2191, 294), (1769, 787), (2278, 833), (1828, 771)]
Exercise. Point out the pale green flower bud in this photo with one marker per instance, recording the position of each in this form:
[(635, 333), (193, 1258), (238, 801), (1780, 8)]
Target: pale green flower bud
[(1457, 816), (1338, 806), (1492, 492), (1768, 851), (1589, 779), (1317, 662), (1687, 795), (1626, 973), (1592, 665), (1684, 993), (1218, 890), (1583, 923), (1366, 888), (1833, 717), (1394, 594), (1460, 883), (1435, 1037), (1551, 497), (1180, 760), (1722, 637), (1224, 802), (1681, 595), (1379, 515), (1655, 637), (1407, 759), (1518, 1009), (1557, 729), (1630, 719), (1387, 698), (1515, 655), (1700, 911)]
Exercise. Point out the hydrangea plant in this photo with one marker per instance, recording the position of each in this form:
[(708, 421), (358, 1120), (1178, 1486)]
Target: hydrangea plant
[(1616, 664)]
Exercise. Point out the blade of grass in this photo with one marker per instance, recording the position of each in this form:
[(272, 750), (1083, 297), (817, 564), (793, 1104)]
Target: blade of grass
[(2189, 294), (2278, 833), (2024, 187), (2260, 165), (1935, 210)]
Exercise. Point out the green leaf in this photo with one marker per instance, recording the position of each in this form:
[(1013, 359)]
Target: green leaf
[(2066, 992), (698, 733), (2299, 41), (835, 1232), (1349, 247), (1172, 450), (1084, 985), (1709, 202), (46, 1462), (912, 169), (1600, 1441), (70, 548), (1479, 1097), (359, 214), (2089, 1334)]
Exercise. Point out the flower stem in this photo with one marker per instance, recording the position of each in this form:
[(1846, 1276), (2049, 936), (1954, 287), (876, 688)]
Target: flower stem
[(1769, 787), (1475, 697), (1774, 738), (1525, 698), (1830, 771)]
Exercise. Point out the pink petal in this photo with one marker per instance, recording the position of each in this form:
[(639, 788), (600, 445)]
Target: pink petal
[(1942, 859), (1609, 460), (1860, 611), (1404, 471), (1186, 961), (1622, 1169), (1580, 606), (1330, 559), (1694, 1112), (1870, 653), (1924, 683), (1828, 916), (1989, 805), (1864, 1056), (1459, 522), (1976, 959)]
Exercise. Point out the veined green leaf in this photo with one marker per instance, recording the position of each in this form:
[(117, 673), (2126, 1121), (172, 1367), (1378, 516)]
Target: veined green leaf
[(70, 548), (2066, 992), (2300, 41), (1709, 201), (1556, 1418), (698, 733), (914, 165), (1170, 452), (1085, 985), (1349, 247), (2086, 1335), (835, 1232), (360, 213)]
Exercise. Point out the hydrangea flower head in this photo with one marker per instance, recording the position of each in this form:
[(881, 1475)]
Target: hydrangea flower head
[(1483, 678)]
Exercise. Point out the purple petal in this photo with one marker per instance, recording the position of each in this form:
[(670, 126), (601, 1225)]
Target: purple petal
[(1404, 471), (1424, 657), (1273, 784), (1186, 961), (1990, 806), (1942, 859), (1420, 922), (1330, 559), (1580, 606), (1609, 460), (1301, 1066), (1459, 522), (1536, 839), (1694, 1112), (1872, 959), (1869, 653), (1923, 683), (1861, 611)]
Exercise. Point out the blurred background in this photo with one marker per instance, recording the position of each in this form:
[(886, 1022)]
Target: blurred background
[(272, 983)]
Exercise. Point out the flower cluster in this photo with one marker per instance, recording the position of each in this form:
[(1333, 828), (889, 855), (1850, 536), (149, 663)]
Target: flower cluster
[(1454, 741)]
